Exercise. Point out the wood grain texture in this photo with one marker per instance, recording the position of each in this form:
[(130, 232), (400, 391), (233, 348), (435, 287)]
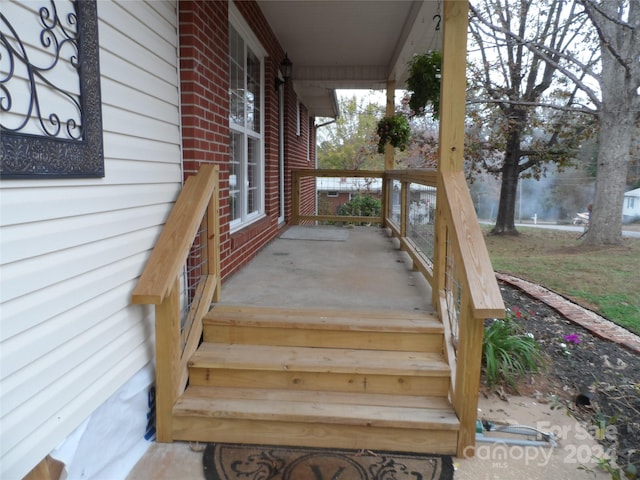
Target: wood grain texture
[(317, 407), (470, 249), (340, 218), (333, 382), (336, 398), (258, 335), (167, 362), (172, 248), (315, 435), (330, 360), (324, 319), (313, 327), (467, 382)]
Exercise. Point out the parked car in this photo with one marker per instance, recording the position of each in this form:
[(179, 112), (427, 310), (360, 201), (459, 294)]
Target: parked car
[(581, 218)]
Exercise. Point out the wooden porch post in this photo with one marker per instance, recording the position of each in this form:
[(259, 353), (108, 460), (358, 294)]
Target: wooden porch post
[(213, 230), (452, 113), (167, 362), (452, 116)]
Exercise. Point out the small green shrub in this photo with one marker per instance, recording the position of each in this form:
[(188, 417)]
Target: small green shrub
[(361, 205), (508, 353)]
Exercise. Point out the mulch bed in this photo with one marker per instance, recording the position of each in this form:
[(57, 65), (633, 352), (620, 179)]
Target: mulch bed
[(598, 381)]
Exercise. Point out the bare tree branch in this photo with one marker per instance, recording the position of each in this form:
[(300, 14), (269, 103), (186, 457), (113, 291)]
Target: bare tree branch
[(589, 6), (596, 7), (535, 48), (525, 103)]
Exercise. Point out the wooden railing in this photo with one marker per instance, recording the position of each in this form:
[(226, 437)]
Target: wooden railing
[(304, 187), (182, 275), (433, 217), (467, 292)]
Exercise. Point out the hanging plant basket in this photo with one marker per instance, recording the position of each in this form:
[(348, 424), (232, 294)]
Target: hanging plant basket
[(425, 72), (394, 130)]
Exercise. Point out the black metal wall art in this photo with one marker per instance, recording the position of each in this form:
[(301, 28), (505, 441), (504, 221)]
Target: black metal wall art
[(51, 126)]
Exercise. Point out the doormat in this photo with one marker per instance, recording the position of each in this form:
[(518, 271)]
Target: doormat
[(223, 461), (315, 233)]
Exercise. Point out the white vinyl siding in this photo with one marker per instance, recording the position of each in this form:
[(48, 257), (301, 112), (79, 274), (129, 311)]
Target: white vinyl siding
[(71, 249)]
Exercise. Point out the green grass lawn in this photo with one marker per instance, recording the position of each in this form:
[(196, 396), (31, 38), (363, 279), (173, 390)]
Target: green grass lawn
[(605, 279)]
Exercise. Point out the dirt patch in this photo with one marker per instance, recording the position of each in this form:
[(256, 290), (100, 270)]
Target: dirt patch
[(596, 380)]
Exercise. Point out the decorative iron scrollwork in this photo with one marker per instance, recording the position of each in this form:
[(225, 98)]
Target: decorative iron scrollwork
[(50, 94)]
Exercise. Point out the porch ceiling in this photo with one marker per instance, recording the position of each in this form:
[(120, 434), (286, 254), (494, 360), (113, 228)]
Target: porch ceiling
[(350, 44)]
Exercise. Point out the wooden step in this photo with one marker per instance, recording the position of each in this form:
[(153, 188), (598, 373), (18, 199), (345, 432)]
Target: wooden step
[(374, 330), (331, 369), (316, 419)]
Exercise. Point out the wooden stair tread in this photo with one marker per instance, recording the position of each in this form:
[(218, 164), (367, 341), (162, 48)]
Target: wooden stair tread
[(316, 407), (310, 359), (324, 319), (416, 401)]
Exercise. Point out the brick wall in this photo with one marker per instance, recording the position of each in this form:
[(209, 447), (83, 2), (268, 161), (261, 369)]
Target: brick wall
[(205, 118)]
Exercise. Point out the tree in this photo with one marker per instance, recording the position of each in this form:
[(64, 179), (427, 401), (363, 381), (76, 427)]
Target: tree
[(617, 23), (610, 88), (521, 115), (351, 142), (423, 148)]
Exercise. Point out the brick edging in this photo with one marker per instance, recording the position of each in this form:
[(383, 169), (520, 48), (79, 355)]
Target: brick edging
[(575, 313)]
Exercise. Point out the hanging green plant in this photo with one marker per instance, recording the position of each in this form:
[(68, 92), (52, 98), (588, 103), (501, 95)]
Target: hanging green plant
[(425, 72), (394, 130)]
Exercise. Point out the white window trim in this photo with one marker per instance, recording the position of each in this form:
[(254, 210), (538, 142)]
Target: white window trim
[(236, 19)]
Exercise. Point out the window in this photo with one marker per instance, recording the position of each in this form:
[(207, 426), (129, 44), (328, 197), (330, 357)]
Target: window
[(51, 123), (246, 106), (630, 202)]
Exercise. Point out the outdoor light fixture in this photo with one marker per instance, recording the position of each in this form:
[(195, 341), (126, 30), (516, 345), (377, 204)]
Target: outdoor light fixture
[(286, 67)]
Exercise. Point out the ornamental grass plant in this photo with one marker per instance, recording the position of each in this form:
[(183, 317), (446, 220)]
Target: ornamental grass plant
[(508, 352)]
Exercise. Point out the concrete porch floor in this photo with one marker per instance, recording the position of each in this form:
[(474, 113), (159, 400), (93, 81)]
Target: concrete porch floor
[(331, 267), (321, 267), (363, 268)]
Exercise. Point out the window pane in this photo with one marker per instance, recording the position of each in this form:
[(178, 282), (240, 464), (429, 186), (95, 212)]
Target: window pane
[(235, 175), (253, 175), (253, 91), (236, 78), (246, 182)]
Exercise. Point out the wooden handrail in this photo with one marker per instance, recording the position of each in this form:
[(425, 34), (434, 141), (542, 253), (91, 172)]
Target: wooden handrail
[(418, 175), (486, 299), (458, 235), (327, 172), (196, 206), (172, 248)]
